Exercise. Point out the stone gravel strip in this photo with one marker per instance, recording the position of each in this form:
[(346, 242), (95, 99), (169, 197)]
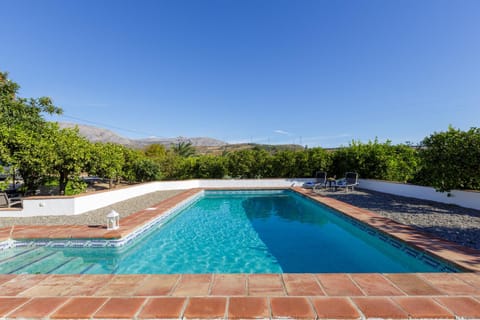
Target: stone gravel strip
[(95, 217), (449, 222)]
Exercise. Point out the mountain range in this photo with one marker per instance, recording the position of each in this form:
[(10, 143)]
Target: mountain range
[(96, 134)]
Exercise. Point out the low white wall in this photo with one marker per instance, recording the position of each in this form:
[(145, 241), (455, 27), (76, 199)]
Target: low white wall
[(47, 206), (52, 206), (252, 183), (467, 199)]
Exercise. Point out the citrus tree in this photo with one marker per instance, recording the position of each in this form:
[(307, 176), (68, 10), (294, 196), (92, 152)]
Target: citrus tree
[(451, 160)]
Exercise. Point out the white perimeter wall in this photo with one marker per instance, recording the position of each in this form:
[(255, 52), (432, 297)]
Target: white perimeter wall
[(467, 199), (51, 206)]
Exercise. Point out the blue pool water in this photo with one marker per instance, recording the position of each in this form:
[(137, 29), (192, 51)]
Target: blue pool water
[(238, 232)]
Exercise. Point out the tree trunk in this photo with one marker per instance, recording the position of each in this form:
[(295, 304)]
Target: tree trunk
[(62, 183)]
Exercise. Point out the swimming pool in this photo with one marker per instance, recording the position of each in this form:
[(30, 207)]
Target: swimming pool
[(238, 232)]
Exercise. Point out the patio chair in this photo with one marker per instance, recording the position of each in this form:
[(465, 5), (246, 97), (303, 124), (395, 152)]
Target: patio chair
[(350, 181), (320, 178), (6, 202), (321, 181)]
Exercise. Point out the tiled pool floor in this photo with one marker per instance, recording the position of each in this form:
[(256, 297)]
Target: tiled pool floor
[(241, 296)]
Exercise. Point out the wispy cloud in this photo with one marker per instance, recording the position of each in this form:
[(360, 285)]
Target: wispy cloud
[(281, 132)]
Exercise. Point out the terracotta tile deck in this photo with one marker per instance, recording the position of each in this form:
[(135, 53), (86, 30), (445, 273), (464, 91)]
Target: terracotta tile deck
[(243, 296)]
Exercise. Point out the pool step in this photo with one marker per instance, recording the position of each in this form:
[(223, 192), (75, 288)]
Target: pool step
[(46, 261), (33, 264), (18, 258)]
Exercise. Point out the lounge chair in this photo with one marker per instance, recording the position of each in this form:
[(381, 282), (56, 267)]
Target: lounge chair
[(6, 202), (320, 179), (350, 181)]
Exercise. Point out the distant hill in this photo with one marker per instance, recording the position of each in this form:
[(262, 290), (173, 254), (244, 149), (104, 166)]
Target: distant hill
[(203, 145), (96, 134)]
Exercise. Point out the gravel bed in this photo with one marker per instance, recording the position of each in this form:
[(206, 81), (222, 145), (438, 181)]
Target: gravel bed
[(95, 217), (449, 222)]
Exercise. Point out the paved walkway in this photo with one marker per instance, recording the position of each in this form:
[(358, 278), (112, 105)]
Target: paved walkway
[(241, 296)]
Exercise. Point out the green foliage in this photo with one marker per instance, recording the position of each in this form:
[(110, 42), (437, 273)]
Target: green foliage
[(24, 134), (253, 163), (184, 149), (146, 170), (75, 186), (375, 160), (106, 161), (451, 160), (155, 151), (71, 153)]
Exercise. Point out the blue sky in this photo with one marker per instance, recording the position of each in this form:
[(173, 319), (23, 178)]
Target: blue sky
[(319, 73)]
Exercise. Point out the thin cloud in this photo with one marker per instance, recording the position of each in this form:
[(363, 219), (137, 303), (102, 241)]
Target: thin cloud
[(282, 132)]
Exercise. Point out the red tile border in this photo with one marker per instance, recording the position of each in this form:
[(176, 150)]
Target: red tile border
[(335, 308), (163, 308), (7, 305), (79, 308), (120, 308), (37, 308), (464, 307), (380, 307), (229, 285), (302, 285), (339, 284), (248, 308), (265, 285), (374, 284), (206, 308), (193, 285), (423, 308), (412, 285), (291, 308)]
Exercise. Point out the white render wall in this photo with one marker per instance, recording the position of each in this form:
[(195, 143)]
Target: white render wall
[(467, 199), (52, 206)]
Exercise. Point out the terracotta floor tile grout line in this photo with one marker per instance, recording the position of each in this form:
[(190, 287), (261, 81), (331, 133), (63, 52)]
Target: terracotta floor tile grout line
[(444, 306), (362, 316), (18, 307), (140, 309), (319, 284), (399, 306), (310, 303), (99, 307), (227, 306), (174, 287), (349, 275), (210, 285), (284, 287), (393, 284)]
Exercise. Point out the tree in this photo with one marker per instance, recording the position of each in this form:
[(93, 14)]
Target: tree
[(146, 170), (184, 148), (155, 151), (22, 132), (375, 160), (107, 161), (450, 160), (72, 152)]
